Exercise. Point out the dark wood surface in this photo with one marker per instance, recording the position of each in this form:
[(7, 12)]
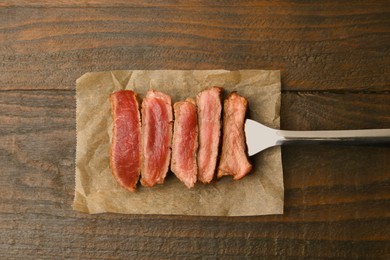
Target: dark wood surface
[(335, 63)]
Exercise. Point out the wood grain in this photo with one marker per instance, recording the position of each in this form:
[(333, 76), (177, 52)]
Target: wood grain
[(334, 58), (338, 202), (359, 5), (327, 111), (322, 46)]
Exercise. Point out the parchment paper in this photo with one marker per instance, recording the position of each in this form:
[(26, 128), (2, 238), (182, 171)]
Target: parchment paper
[(259, 193)]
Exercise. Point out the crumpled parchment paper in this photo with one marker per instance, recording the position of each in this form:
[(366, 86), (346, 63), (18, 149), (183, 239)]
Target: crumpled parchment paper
[(96, 191)]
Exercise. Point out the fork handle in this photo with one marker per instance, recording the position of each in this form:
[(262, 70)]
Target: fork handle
[(354, 137)]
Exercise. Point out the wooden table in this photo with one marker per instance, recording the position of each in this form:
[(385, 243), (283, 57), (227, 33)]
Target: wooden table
[(335, 64)]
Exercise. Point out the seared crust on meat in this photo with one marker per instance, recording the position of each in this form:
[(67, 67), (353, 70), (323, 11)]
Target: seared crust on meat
[(185, 142), (234, 160), (125, 149), (156, 137), (209, 106)]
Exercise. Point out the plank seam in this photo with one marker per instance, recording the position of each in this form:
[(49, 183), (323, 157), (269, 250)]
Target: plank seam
[(335, 91)]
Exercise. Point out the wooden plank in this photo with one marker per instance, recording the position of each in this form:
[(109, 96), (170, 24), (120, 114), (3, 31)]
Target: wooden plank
[(336, 197), (358, 4), (149, 3), (317, 46), (334, 111)]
